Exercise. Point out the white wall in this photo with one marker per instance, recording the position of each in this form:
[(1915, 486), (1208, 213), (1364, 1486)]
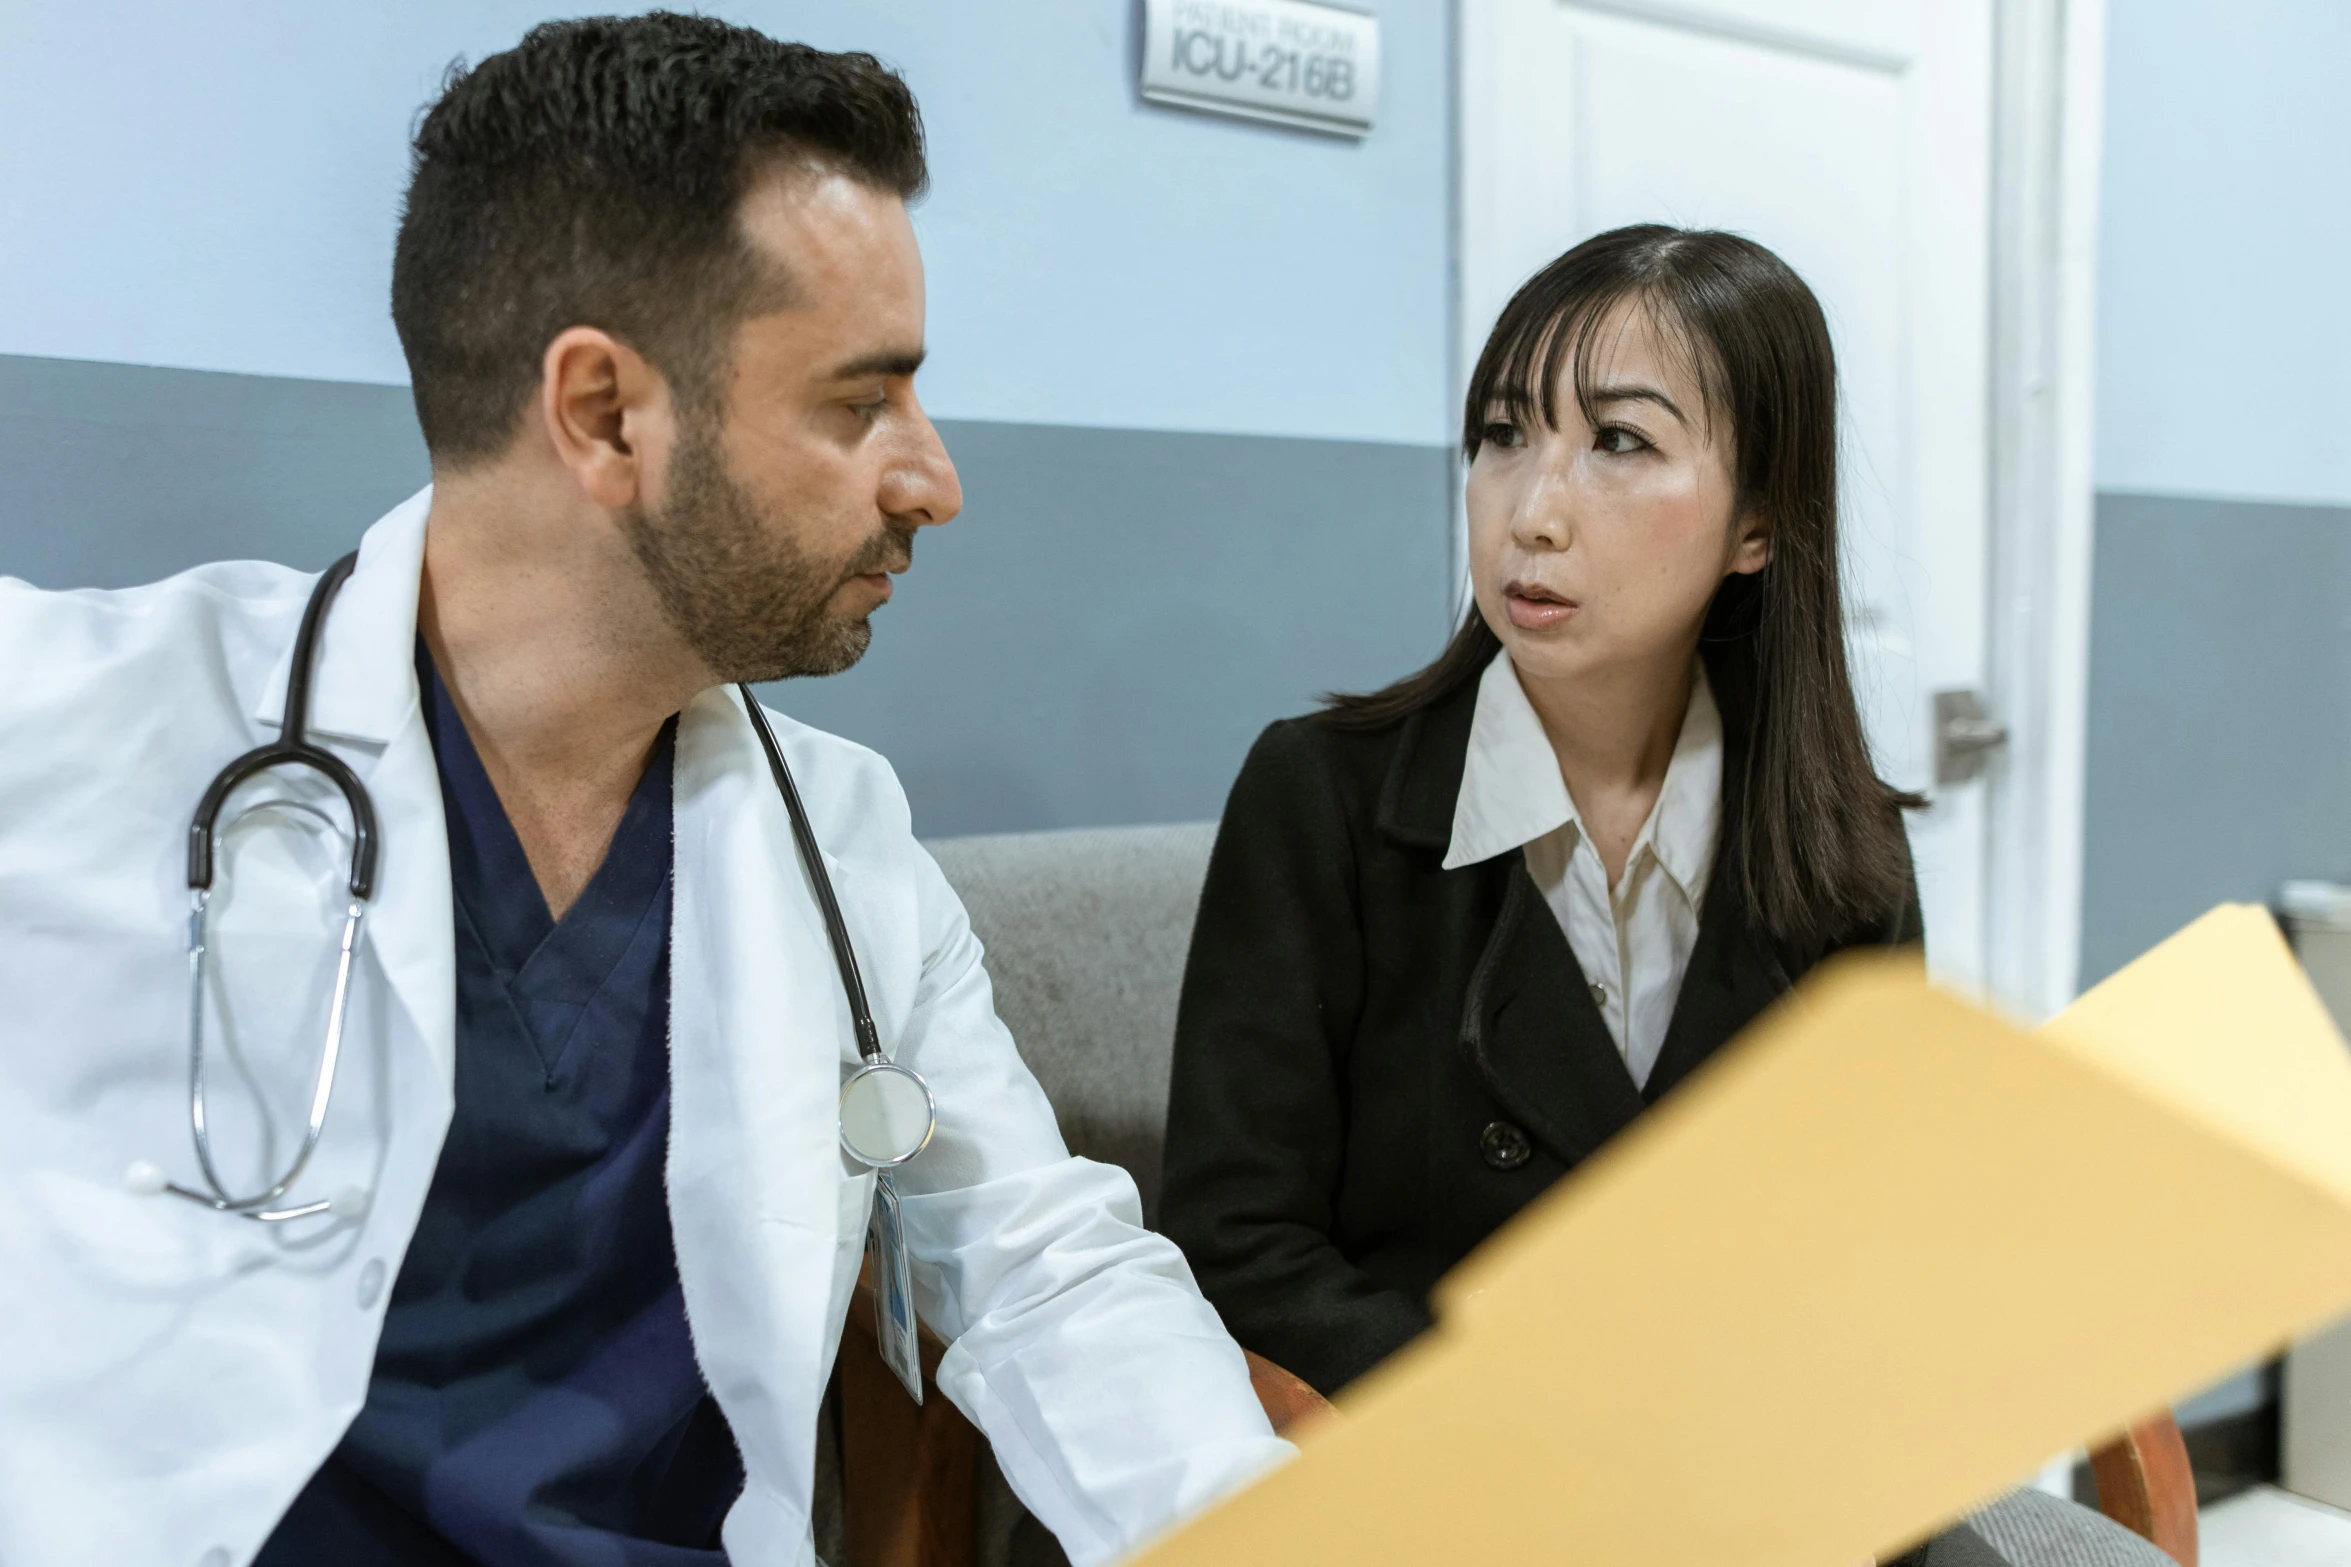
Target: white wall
[(215, 187), (2224, 323)]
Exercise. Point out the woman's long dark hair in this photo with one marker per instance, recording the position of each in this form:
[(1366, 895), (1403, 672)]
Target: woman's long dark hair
[(1821, 850)]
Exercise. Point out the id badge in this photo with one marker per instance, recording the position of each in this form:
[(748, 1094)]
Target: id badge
[(893, 1288)]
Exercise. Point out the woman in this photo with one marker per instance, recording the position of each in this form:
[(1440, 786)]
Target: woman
[(1458, 933)]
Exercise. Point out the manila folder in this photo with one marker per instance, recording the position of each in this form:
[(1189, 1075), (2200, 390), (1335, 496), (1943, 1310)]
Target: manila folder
[(1872, 1266)]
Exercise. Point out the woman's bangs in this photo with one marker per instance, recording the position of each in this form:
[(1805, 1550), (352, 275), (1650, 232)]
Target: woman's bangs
[(1669, 320), (1507, 381), (1559, 340)]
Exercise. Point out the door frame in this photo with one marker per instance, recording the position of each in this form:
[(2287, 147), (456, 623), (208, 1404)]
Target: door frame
[(2049, 77), (2047, 116)]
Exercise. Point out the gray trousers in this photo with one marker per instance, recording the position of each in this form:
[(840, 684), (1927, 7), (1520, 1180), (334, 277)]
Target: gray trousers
[(2035, 1529)]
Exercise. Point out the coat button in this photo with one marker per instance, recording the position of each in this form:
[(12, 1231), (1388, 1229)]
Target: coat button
[(1504, 1145), (371, 1282)]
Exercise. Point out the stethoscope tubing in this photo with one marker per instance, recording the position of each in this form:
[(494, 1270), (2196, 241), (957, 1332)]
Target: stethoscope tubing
[(293, 747), (869, 1039), (322, 1088)]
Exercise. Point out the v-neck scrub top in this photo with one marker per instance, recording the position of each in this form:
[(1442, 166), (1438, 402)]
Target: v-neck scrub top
[(535, 1400)]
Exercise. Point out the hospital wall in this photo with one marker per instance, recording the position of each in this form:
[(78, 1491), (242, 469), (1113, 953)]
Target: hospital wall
[(1193, 370), (2219, 744), (2219, 731)]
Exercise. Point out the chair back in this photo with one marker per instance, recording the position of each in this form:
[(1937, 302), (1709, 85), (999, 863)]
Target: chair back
[(1086, 933)]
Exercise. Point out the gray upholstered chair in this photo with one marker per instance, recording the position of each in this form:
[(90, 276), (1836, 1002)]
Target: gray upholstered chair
[(1086, 934)]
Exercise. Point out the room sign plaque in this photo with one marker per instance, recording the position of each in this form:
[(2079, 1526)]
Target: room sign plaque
[(1314, 66)]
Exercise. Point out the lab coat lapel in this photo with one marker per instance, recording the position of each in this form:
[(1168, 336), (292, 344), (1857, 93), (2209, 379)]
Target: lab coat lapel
[(364, 686), (758, 1027)]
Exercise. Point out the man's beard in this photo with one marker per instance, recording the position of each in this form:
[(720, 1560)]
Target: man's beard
[(741, 591)]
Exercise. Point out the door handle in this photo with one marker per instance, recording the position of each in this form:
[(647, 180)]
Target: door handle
[(1965, 736)]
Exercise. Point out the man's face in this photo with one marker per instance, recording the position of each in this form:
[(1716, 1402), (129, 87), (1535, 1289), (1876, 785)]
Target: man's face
[(793, 496)]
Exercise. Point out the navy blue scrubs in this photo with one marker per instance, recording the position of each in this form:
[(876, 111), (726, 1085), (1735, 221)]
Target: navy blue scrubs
[(535, 1401)]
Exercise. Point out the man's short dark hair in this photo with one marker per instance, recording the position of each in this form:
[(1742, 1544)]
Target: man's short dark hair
[(590, 176)]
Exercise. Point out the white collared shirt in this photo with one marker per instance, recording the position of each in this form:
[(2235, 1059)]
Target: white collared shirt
[(1634, 943)]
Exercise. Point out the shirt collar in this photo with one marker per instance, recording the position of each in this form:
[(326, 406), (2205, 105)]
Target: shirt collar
[(1511, 791), (1512, 794), (1685, 824)]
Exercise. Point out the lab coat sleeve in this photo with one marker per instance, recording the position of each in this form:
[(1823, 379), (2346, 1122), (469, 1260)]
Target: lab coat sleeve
[(1115, 1400)]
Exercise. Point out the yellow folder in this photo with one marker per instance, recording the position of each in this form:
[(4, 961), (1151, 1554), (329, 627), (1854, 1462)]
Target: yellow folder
[(1876, 1263)]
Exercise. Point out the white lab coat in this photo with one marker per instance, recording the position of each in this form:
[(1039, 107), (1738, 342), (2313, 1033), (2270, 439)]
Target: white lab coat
[(170, 1377)]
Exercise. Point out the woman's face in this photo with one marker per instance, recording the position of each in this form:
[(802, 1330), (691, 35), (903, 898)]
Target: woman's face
[(1598, 546)]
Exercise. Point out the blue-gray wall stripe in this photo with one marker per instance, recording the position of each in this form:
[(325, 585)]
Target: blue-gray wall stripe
[(1095, 641), (2219, 743)]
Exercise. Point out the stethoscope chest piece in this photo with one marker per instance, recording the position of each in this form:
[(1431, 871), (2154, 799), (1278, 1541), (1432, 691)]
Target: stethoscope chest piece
[(887, 1115), (887, 1112)]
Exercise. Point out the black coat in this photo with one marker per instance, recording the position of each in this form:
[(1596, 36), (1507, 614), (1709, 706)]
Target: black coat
[(1378, 1061)]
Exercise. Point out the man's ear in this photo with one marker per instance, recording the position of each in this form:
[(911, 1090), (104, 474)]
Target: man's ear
[(603, 407), (1751, 551)]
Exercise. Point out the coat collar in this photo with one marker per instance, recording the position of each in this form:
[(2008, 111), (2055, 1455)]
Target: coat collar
[(364, 688), (1418, 795)]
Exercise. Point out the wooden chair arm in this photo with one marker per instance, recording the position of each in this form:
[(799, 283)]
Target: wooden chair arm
[(2144, 1483), (907, 1470), (1291, 1403)]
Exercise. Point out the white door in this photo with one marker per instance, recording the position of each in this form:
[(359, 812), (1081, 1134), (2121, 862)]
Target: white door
[(1853, 137)]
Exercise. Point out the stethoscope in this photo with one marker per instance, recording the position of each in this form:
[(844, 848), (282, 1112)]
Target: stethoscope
[(887, 1112)]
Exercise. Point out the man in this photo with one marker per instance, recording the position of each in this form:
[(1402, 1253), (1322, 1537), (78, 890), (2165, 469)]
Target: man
[(569, 1263)]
